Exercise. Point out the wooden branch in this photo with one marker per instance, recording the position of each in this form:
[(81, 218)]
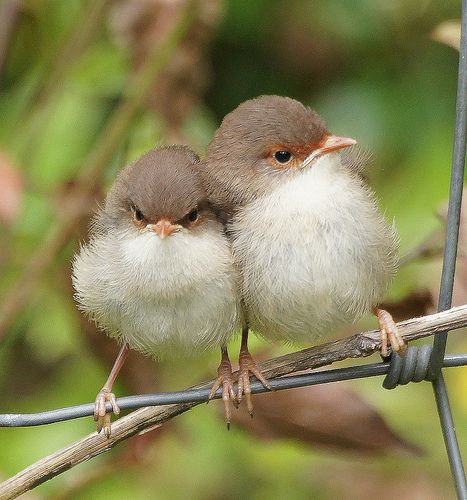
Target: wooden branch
[(359, 345)]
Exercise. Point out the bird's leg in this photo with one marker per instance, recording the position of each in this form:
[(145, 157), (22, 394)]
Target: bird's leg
[(101, 416), (390, 335), (224, 378), (247, 365)]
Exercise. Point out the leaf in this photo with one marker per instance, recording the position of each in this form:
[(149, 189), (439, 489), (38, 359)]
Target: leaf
[(332, 417), (449, 33), (417, 303), (12, 186)]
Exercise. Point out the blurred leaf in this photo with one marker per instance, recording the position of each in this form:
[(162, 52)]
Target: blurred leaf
[(424, 300), (67, 130), (199, 128), (101, 71), (448, 33), (35, 216), (147, 133), (53, 332), (416, 303), (330, 416), (12, 185), (13, 106)]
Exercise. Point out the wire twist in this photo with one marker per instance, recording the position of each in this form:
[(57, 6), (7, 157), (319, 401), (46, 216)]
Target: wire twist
[(413, 367)]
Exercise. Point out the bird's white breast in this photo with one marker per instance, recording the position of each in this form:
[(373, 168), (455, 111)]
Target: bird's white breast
[(314, 252), (171, 296)]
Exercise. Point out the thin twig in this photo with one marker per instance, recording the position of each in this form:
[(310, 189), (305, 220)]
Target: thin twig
[(9, 11), (359, 345), (138, 92)]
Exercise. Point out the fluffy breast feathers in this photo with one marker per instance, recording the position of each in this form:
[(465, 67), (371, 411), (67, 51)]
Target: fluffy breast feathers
[(164, 297), (314, 252)]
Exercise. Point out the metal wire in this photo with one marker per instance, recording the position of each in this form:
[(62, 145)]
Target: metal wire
[(202, 394), (455, 195), (426, 362), (449, 267), (413, 367)]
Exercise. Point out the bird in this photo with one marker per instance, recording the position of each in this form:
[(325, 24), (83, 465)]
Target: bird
[(312, 247), (157, 272)]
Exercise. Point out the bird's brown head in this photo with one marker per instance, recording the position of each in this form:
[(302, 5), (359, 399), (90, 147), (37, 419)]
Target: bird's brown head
[(260, 140), (160, 192)]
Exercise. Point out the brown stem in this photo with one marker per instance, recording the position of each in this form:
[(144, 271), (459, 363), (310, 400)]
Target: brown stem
[(9, 11)]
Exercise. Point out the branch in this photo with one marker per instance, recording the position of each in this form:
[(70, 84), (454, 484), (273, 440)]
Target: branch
[(359, 345)]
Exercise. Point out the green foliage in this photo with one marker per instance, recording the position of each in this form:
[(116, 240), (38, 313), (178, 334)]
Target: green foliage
[(371, 69)]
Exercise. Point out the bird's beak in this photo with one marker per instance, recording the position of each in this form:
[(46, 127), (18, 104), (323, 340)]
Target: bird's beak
[(164, 228), (329, 143)]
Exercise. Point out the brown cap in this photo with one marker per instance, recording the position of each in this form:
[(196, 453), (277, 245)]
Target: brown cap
[(163, 182), (241, 156)]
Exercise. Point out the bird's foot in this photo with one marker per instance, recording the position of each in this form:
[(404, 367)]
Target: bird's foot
[(390, 336), (101, 415), (225, 379), (248, 365)]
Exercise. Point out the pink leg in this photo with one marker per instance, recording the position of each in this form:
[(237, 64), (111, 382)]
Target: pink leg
[(106, 395), (247, 365), (224, 378)]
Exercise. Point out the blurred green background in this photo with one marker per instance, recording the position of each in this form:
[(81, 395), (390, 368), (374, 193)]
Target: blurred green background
[(86, 86)]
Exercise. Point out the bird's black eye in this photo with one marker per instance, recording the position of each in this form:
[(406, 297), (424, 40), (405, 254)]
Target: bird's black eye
[(282, 156), (139, 216), (193, 215)]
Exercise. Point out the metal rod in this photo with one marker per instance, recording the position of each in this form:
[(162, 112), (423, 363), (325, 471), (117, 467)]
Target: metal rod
[(449, 267), (449, 434), (201, 394), (455, 197)]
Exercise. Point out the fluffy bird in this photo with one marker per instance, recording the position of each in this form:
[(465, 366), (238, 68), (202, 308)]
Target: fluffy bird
[(157, 272), (311, 245)]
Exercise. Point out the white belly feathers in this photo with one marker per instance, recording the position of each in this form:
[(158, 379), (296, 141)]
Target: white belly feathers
[(180, 293), (308, 261)]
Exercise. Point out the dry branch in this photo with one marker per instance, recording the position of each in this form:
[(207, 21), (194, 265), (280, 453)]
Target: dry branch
[(359, 345)]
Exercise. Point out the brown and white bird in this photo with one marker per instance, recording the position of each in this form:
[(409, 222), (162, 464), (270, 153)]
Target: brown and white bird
[(311, 245), (157, 272)]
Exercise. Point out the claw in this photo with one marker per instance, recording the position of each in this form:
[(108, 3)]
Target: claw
[(225, 379), (247, 365), (390, 335), (101, 416)]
